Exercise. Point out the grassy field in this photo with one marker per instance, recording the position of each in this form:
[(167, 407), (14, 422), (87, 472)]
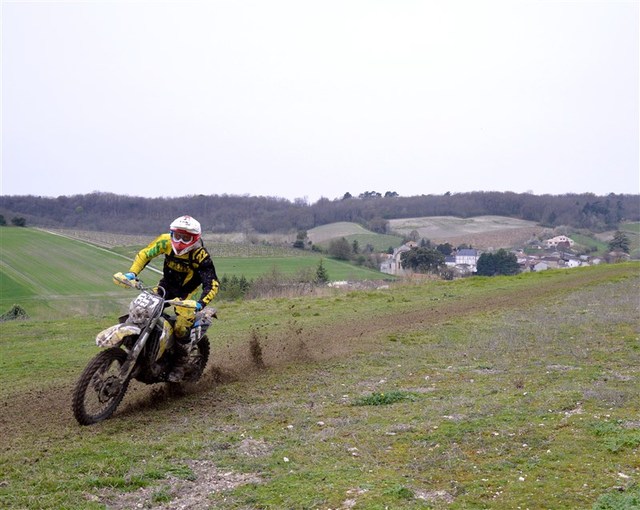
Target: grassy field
[(501, 393), (591, 243), (288, 264), (252, 268), (51, 275)]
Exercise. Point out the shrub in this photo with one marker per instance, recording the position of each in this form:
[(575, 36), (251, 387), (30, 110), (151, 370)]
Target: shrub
[(501, 262), (234, 288), (16, 313), (340, 249), (322, 276)]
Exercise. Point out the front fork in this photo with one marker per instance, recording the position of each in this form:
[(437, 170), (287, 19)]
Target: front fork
[(132, 358)]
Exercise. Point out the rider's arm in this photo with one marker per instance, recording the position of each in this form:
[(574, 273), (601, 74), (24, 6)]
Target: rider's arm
[(159, 246), (207, 272)]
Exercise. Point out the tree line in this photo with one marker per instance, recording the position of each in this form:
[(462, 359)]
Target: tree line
[(15, 221), (230, 213)]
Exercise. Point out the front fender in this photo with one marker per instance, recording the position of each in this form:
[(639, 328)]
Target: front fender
[(113, 336), (166, 337)]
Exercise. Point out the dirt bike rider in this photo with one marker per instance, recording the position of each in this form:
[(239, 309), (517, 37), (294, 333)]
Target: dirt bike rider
[(187, 265)]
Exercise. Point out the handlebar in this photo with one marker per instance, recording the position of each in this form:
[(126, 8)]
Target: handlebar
[(184, 303), (122, 281)]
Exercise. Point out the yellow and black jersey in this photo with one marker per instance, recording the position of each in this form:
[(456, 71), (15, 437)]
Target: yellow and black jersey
[(182, 274)]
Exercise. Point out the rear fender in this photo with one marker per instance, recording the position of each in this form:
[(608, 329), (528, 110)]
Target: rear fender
[(206, 316), (114, 335)]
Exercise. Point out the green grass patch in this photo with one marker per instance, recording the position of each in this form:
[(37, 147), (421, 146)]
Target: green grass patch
[(625, 499), (42, 354), (617, 436), (383, 399)]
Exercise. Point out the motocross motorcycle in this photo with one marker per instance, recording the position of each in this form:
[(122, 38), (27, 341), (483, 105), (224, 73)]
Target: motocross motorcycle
[(142, 347)]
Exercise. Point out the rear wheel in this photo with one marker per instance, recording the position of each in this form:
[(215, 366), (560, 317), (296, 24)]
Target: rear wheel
[(199, 359), (100, 389)]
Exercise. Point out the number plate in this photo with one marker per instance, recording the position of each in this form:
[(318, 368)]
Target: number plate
[(146, 301)]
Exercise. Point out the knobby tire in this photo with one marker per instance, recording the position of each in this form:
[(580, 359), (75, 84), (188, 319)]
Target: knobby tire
[(204, 348), (94, 372)]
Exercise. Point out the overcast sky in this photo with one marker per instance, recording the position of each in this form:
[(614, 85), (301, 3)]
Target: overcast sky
[(296, 98)]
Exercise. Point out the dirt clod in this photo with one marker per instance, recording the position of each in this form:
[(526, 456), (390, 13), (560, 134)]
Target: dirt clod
[(179, 493)]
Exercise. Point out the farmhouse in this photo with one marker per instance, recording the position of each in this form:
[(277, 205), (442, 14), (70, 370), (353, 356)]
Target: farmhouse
[(393, 264), (465, 260), (556, 241)]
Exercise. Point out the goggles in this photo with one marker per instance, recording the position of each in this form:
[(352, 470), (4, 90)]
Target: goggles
[(184, 237)]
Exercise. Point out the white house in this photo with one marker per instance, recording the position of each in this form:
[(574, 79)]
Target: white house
[(468, 257), (464, 260), (541, 266)]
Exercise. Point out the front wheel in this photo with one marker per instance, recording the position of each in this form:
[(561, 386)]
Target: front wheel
[(100, 389)]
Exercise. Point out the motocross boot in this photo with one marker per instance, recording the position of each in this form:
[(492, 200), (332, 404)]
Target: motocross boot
[(180, 363)]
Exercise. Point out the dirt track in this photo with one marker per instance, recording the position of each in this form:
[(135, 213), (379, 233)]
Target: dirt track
[(28, 414)]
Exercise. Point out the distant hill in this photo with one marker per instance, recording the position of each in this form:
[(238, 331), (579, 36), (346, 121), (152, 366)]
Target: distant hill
[(335, 231), (481, 232), (322, 236), (108, 212)]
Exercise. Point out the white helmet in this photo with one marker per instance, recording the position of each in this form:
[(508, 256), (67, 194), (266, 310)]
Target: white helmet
[(185, 233)]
